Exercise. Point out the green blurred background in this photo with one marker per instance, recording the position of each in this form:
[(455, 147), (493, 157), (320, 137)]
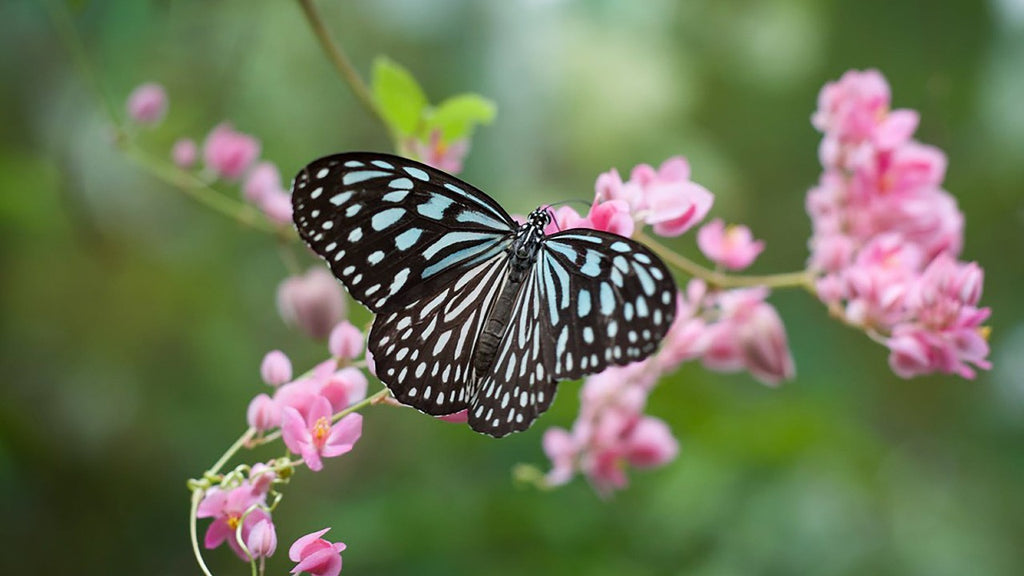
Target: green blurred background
[(133, 321)]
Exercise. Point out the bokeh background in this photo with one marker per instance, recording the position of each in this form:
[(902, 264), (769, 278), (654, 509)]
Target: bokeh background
[(133, 321)]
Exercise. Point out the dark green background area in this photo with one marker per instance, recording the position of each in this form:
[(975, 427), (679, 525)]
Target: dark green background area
[(133, 321)]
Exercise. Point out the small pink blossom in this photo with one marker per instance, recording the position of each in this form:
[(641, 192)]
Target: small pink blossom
[(316, 555), (341, 388), (562, 450), (674, 204), (749, 335), (147, 104), (229, 153), (345, 341), (447, 157), (262, 540), (230, 509), (277, 206), (650, 443), (344, 388), (733, 247), (853, 106), (276, 368), (611, 216), (184, 153), (261, 477), (313, 302), (262, 180), (263, 413), (313, 437)]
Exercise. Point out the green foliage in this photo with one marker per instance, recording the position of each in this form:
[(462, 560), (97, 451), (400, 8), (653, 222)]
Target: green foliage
[(399, 97), (405, 108)]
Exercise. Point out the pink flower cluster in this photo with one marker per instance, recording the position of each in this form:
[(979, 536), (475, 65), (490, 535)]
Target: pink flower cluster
[(611, 431), (887, 236), (312, 302), (664, 198), (303, 408), (241, 510), (227, 154), (728, 330)]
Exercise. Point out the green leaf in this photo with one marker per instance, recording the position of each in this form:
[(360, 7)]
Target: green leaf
[(398, 95), (457, 116)]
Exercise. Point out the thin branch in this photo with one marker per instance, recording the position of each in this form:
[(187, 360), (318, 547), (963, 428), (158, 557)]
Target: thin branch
[(199, 190), (802, 279), (341, 62)]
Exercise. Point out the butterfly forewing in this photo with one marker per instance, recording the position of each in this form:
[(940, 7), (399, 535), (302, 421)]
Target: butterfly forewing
[(607, 300), (391, 227)]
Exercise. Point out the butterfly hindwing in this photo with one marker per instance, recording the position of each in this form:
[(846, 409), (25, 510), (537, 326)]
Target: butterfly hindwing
[(607, 301), (423, 349)]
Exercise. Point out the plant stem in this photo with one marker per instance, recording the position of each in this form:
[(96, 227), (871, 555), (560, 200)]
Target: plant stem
[(197, 496), (199, 190), (341, 61), (802, 279), (377, 397), (65, 28)]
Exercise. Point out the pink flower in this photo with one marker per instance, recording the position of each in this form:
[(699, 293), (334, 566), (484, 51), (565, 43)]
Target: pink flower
[(344, 388), (749, 335), (262, 180), (261, 477), (345, 341), (447, 157), (262, 540), (276, 368), (147, 104), (313, 302), (674, 204), (341, 388), (879, 280), (229, 153), (733, 247), (277, 206), (184, 153), (611, 216), (650, 443), (314, 437), (315, 555), (687, 337), (229, 510), (562, 450), (609, 186), (567, 218), (852, 107), (263, 413)]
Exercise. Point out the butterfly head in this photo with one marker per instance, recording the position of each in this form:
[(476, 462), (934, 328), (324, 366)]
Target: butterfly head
[(539, 218)]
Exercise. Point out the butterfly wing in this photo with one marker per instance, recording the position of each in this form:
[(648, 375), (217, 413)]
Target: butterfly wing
[(423, 349), (592, 300), (519, 386), (391, 227), (607, 300)]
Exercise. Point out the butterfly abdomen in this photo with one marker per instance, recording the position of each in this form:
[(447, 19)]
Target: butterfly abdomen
[(522, 257)]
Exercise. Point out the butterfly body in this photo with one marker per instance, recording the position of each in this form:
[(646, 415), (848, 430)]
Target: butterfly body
[(473, 310)]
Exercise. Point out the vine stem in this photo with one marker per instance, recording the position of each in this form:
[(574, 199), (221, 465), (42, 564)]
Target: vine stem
[(802, 279), (342, 64), (199, 190)]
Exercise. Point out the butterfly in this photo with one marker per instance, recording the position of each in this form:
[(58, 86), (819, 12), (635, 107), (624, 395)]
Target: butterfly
[(475, 311)]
